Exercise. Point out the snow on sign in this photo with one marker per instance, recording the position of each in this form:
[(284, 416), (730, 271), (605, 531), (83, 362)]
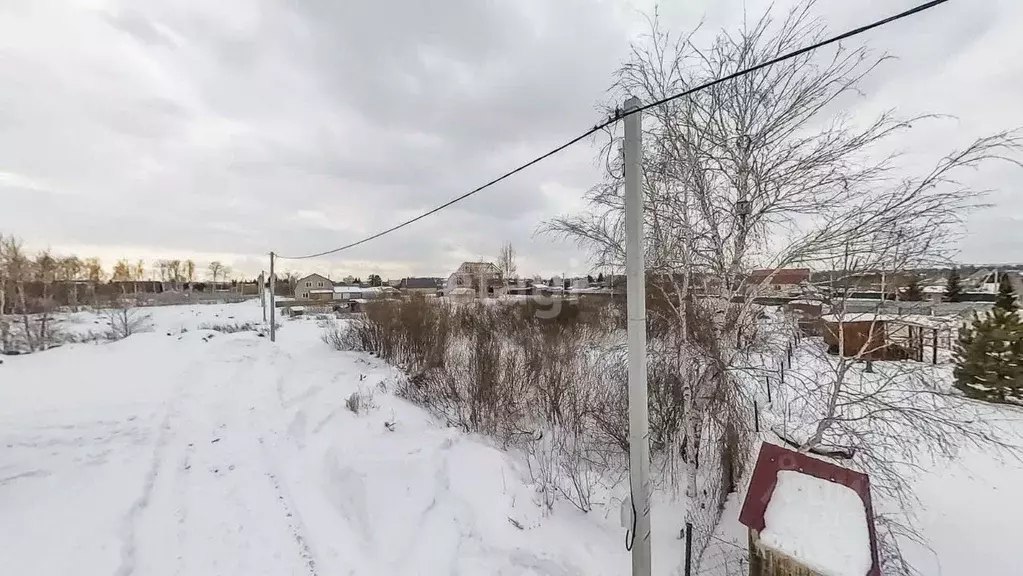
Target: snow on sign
[(818, 522), (808, 517)]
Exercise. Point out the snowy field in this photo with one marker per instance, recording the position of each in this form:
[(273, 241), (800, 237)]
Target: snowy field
[(184, 451), (202, 453)]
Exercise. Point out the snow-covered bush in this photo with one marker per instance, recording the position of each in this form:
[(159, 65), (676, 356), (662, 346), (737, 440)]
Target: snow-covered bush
[(360, 401), (233, 327)]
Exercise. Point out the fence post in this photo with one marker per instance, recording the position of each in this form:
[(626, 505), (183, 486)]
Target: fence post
[(767, 379), (756, 416), (273, 301), (689, 548), (782, 371), (934, 351)]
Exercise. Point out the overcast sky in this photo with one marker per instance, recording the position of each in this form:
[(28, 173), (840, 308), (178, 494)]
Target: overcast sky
[(224, 129)]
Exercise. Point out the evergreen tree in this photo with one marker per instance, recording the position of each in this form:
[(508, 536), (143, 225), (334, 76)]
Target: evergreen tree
[(989, 357), (913, 292), (589, 278), (953, 288), (1006, 295), (600, 278)]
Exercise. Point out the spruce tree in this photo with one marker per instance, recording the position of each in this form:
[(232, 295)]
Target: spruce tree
[(953, 288), (1006, 295), (989, 357), (913, 292)]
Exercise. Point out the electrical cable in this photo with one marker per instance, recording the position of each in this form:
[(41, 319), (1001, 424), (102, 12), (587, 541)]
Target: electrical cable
[(620, 114)]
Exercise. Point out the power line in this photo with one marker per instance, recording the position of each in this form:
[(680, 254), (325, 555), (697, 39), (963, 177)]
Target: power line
[(619, 114), (456, 199), (788, 56)]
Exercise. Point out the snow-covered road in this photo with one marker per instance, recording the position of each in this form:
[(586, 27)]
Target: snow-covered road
[(175, 453)]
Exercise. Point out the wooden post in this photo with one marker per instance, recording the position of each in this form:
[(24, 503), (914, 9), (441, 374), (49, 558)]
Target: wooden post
[(934, 351), (756, 416), (767, 379)]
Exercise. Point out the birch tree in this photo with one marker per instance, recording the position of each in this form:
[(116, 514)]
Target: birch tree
[(506, 262)]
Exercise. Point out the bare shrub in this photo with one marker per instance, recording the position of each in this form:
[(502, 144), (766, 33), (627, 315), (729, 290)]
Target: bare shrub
[(126, 320), (554, 386), (360, 401), (233, 327)]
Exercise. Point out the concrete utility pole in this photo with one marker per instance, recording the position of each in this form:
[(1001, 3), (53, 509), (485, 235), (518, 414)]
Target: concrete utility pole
[(639, 418), (262, 293), (742, 204), (273, 305)]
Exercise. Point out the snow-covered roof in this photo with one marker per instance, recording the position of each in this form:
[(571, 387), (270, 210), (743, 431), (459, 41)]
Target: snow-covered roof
[(321, 291), (347, 290), (910, 319), (821, 524)]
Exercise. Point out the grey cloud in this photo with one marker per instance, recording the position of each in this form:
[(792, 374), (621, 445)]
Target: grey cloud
[(209, 127)]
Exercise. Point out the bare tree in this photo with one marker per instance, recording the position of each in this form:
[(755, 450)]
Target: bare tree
[(122, 273), (93, 270), (506, 262), (5, 327), (126, 319), (190, 273), (163, 267), (94, 274), (292, 277), (174, 270), (69, 270), (750, 173), (46, 268), (19, 271), (216, 269)]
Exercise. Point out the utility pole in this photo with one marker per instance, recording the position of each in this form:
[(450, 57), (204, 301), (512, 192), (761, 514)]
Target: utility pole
[(639, 418), (742, 204), (273, 305), (262, 292)]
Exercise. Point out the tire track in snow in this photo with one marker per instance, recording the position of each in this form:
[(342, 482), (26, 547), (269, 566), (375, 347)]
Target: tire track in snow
[(128, 532), (295, 526)]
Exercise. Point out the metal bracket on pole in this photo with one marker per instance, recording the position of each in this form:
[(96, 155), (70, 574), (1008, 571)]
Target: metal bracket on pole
[(639, 418)]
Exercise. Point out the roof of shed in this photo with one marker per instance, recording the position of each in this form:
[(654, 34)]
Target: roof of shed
[(773, 459)]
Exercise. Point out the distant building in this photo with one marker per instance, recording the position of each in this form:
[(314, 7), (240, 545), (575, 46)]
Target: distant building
[(484, 278), (346, 293), (424, 286), (305, 286), (778, 281)]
